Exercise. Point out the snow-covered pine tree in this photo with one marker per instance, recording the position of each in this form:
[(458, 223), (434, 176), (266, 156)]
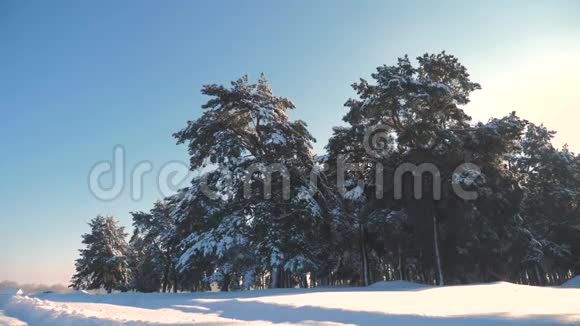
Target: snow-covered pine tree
[(415, 115), (195, 215), (549, 210), (144, 264), (246, 131), (156, 245), (414, 109), (103, 263)]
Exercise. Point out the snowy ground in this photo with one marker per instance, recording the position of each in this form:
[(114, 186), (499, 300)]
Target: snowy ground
[(394, 303)]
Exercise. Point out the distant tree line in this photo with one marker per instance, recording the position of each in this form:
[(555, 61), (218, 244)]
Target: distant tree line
[(522, 225), (34, 287)]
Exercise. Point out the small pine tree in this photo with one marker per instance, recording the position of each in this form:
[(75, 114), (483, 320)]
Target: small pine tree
[(103, 263)]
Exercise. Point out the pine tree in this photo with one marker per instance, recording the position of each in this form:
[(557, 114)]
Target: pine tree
[(417, 115), (549, 207), (144, 264), (246, 131), (196, 216), (103, 263)]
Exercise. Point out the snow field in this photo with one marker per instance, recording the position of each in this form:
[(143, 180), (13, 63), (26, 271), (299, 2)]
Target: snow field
[(380, 304)]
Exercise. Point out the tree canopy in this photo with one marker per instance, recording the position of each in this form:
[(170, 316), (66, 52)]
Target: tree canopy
[(409, 188)]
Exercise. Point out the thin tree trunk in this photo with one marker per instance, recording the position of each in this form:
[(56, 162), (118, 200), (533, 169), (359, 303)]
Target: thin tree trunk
[(400, 263), (274, 277), (175, 282), (539, 278), (226, 283), (365, 267), (437, 256)]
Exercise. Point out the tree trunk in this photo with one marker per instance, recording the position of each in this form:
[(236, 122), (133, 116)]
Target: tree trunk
[(400, 263), (437, 256), (274, 278), (226, 283), (365, 267), (175, 282), (540, 279)]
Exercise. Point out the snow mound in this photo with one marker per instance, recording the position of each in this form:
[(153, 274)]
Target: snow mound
[(573, 283), (9, 321), (397, 286)]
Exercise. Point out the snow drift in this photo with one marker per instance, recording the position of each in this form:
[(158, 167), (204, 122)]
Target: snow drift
[(396, 303)]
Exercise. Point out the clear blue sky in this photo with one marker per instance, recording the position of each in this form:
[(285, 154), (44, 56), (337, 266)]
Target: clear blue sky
[(79, 77)]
